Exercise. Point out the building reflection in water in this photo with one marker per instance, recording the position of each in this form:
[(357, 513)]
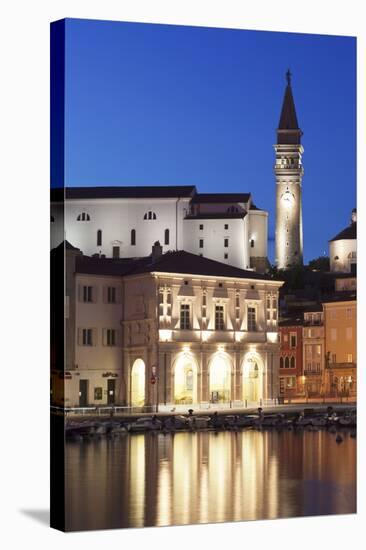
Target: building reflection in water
[(185, 478)]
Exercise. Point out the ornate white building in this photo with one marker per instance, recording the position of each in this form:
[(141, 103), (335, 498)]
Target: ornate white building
[(124, 222), (289, 172), (174, 330)]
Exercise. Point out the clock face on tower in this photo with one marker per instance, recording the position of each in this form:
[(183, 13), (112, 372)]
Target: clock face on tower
[(287, 199)]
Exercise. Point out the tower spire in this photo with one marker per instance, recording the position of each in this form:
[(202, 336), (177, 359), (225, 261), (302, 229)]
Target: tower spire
[(288, 128), (289, 172), (288, 77)]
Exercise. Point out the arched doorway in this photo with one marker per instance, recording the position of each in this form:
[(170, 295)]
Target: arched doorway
[(220, 379), (185, 380), (138, 384), (252, 379)]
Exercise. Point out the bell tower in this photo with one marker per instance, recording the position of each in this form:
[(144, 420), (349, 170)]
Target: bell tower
[(288, 171)]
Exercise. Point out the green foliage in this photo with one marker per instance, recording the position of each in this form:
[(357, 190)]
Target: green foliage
[(320, 264)]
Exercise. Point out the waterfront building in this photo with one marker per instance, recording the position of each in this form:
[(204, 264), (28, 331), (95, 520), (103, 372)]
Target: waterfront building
[(340, 346), (172, 331), (343, 248), (124, 222), (291, 356), (289, 172), (313, 352)]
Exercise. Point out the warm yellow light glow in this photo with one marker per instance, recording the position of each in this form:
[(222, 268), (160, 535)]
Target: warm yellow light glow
[(205, 334), (272, 337), (220, 347), (252, 378), (238, 336), (185, 380), (220, 379), (138, 384), (165, 335), (186, 349)]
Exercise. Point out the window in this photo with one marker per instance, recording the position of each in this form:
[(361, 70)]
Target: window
[(285, 337), (110, 337), (98, 394), (201, 226), (150, 215), (166, 236), (226, 255), (251, 243), (292, 363), (333, 314), (200, 244), (52, 219), (185, 322), (87, 293), (87, 337), (83, 217), (293, 340), (287, 363), (334, 358), (219, 317), (226, 226), (281, 362), (111, 295), (133, 237), (115, 252), (349, 357), (252, 321), (99, 237), (349, 313), (233, 209), (226, 243)]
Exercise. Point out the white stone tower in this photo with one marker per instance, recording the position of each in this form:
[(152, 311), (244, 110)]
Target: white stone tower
[(289, 172)]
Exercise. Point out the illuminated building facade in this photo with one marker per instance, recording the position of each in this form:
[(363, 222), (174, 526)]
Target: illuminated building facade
[(314, 352), (124, 222), (172, 331), (289, 172), (341, 346), (291, 360)]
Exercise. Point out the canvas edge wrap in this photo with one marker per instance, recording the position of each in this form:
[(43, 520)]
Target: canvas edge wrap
[(57, 298)]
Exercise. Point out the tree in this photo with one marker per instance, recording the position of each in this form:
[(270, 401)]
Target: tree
[(320, 264)]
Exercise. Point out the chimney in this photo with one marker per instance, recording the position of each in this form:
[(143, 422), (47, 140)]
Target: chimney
[(157, 251)]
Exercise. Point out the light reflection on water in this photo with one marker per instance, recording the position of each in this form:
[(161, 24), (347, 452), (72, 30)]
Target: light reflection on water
[(156, 479)]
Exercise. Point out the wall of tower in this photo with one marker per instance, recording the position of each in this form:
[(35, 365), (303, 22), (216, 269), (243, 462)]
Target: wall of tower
[(289, 239)]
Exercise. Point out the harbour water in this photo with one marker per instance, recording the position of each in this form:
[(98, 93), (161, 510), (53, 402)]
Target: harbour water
[(204, 477)]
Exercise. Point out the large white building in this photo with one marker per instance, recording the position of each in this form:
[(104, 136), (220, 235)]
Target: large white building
[(343, 248), (172, 330), (124, 222)]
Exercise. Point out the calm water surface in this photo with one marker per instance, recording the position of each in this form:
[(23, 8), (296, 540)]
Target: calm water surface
[(183, 478)]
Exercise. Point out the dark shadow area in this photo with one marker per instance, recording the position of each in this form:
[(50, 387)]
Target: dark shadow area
[(42, 516)]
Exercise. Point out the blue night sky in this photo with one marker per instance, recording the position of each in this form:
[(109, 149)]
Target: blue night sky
[(171, 105)]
